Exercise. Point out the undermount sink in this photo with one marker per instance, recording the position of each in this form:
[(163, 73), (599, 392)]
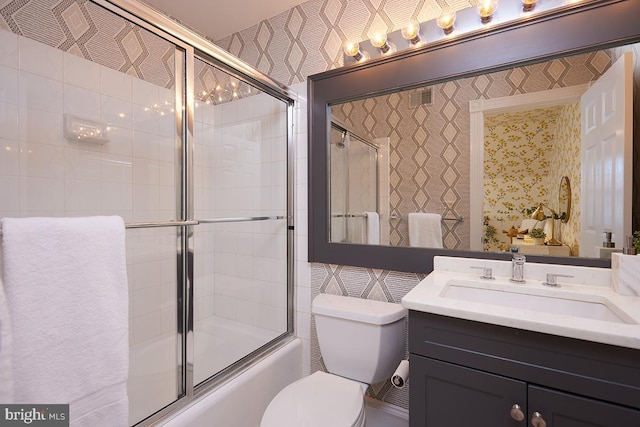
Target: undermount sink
[(561, 302)]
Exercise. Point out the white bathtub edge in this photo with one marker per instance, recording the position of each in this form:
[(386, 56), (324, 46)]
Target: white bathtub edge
[(228, 406)]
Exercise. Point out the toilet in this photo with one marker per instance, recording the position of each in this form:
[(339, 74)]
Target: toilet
[(362, 342)]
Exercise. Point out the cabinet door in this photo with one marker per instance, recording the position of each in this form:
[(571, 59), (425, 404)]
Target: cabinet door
[(446, 395), (559, 409)]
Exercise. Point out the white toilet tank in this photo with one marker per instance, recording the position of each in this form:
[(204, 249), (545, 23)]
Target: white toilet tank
[(360, 339)]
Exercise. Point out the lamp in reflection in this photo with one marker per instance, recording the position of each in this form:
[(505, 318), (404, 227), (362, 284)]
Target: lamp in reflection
[(379, 40), (446, 20), (353, 50), (411, 32), (486, 9), (539, 215), (529, 5)]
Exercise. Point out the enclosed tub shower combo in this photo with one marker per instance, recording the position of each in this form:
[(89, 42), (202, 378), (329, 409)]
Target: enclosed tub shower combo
[(138, 117)]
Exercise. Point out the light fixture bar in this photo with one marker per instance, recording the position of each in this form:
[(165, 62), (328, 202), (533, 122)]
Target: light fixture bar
[(466, 21)]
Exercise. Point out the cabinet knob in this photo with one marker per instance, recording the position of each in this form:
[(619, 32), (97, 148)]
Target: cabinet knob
[(537, 420), (516, 412)]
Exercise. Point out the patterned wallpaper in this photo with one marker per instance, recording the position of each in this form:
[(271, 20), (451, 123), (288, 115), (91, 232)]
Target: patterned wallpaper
[(426, 172), (517, 167), (308, 38), (565, 161), (89, 31), (367, 283)]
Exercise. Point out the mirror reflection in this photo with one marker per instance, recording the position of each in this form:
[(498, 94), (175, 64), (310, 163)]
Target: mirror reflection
[(402, 164)]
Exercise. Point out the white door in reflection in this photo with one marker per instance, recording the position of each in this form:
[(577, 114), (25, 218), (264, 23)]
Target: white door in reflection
[(607, 157)]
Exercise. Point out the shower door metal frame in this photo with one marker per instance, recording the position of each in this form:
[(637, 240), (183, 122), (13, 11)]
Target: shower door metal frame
[(190, 43)]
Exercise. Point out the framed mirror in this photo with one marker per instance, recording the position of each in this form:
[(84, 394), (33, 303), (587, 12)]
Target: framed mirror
[(483, 58), (564, 199)]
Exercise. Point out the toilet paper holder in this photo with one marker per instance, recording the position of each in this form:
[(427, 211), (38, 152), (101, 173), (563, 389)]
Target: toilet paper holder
[(401, 375)]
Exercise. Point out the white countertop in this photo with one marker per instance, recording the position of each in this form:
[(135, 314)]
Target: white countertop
[(588, 284)]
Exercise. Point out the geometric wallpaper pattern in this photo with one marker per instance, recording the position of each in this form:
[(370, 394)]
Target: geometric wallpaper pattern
[(365, 283), (308, 38), (94, 33)]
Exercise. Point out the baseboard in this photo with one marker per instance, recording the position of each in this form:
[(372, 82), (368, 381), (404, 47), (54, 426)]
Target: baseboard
[(387, 408)]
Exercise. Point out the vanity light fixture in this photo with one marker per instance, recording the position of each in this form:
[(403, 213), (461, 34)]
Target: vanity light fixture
[(379, 40), (486, 9), (353, 50), (446, 20), (529, 5), (411, 32), (462, 21)]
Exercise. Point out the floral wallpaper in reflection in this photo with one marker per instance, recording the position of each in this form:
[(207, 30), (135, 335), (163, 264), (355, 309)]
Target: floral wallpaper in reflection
[(566, 160), (517, 161)]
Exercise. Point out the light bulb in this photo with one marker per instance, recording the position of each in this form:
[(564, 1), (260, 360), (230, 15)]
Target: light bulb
[(446, 20), (353, 50), (411, 32), (486, 9), (379, 40), (245, 89), (529, 5)]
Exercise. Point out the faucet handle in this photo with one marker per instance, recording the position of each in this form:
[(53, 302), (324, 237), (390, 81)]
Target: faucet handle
[(552, 279), (487, 273)]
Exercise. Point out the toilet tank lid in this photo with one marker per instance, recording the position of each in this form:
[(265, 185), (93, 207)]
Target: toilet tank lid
[(358, 309)]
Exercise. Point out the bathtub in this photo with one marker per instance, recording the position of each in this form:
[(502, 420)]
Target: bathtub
[(153, 375), (242, 401)]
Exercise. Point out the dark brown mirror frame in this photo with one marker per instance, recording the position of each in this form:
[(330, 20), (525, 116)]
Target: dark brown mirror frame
[(570, 30)]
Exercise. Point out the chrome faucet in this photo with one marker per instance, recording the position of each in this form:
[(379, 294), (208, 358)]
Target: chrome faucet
[(517, 265)]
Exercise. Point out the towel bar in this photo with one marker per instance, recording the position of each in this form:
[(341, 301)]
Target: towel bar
[(403, 217)]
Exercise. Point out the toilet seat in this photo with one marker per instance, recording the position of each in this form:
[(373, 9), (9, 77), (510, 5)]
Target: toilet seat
[(319, 400)]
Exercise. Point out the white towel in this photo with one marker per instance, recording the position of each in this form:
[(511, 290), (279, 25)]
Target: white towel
[(372, 233), (6, 354), (66, 287), (425, 230)]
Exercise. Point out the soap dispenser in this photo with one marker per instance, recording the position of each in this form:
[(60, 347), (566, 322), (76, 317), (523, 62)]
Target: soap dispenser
[(607, 242), (608, 246)]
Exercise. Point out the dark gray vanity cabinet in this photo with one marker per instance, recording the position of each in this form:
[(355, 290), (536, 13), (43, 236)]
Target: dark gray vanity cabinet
[(466, 373)]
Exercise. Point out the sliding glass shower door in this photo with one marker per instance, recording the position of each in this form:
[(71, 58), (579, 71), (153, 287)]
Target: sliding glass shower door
[(193, 158), (354, 184), (240, 200)]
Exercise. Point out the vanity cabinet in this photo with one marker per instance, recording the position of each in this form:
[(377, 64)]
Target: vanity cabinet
[(466, 373)]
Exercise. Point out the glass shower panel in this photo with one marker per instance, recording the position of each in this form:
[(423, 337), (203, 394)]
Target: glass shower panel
[(363, 177), (240, 199), (122, 80), (154, 359), (339, 191), (354, 185)]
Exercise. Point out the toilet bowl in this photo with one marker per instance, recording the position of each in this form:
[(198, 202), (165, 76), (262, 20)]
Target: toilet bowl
[(319, 400), (361, 342)]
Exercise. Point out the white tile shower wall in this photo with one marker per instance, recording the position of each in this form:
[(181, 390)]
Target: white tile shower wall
[(240, 170), (42, 174)]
